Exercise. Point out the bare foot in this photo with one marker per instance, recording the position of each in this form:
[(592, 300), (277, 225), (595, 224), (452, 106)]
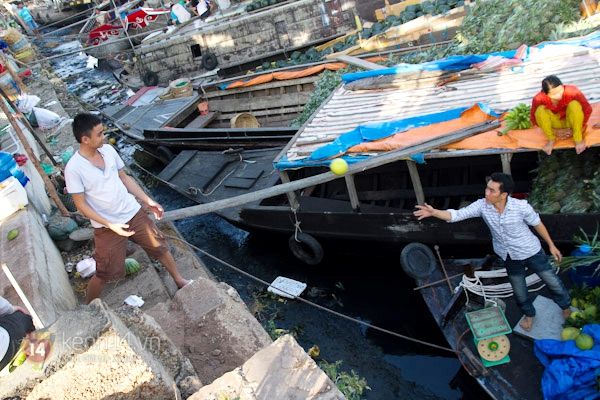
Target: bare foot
[(548, 147), (566, 313), (563, 133), (526, 323), (579, 147)]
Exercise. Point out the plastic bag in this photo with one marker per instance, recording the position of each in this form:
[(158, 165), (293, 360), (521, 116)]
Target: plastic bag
[(27, 102), (46, 119)]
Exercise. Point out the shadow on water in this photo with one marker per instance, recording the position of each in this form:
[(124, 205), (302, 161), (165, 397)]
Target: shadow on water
[(355, 280)]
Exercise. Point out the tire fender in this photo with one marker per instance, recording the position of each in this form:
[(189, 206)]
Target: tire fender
[(165, 153), (209, 61), (306, 248), (417, 260), (150, 78)]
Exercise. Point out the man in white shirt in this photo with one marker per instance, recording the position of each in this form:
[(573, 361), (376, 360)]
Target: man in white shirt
[(104, 193), (509, 220), (179, 14), (202, 9)]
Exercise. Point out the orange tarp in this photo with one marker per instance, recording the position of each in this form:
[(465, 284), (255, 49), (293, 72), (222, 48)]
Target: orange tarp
[(532, 138), (284, 75)]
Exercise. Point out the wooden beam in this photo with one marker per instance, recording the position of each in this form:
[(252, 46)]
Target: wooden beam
[(291, 195), (416, 181), (359, 63), (505, 158), (372, 162), (352, 192)]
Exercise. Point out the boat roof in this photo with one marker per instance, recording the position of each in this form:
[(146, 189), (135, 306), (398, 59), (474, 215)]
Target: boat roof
[(376, 100)]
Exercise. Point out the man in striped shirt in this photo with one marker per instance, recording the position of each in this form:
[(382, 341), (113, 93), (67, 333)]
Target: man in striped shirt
[(509, 220)]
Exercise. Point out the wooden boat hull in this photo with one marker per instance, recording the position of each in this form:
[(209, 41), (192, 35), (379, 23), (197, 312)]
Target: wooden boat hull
[(518, 379), (197, 47), (386, 197)]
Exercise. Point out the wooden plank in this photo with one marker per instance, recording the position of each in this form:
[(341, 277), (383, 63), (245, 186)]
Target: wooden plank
[(373, 162), (251, 104), (359, 62), (352, 192), (202, 121), (175, 166), (218, 93), (416, 181)]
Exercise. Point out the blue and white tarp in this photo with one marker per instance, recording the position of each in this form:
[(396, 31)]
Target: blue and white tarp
[(570, 372)]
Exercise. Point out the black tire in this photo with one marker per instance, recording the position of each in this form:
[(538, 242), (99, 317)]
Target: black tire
[(209, 61), (165, 154), (417, 260), (150, 78), (306, 248)]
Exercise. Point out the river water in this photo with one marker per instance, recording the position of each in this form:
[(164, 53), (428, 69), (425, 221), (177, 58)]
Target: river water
[(361, 282)]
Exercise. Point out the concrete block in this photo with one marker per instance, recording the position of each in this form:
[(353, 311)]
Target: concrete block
[(37, 266), (282, 370), (90, 350), (220, 333)]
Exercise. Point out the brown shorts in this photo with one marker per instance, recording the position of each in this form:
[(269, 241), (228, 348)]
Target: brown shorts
[(111, 248)]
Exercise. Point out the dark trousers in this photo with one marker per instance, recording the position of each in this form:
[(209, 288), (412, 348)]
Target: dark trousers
[(17, 325)]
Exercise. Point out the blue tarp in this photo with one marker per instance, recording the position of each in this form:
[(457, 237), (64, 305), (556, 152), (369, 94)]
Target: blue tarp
[(452, 63), (368, 133), (570, 372)]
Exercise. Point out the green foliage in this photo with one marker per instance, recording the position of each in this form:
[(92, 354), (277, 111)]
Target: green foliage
[(350, 384)]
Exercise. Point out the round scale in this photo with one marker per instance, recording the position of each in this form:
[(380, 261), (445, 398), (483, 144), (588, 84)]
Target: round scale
[(494, 349)]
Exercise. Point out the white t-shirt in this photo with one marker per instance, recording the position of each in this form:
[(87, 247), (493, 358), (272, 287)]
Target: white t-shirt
[(201, 7), (181, 13), (104, 191)]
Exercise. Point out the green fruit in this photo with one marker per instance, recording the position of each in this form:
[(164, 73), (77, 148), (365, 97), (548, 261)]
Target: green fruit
[(569, 333), (576, 315), (590, 311), (131, 266), (584, 342), (12, 234)]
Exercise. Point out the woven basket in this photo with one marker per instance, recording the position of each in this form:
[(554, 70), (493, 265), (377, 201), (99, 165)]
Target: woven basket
[(244, 120), (26, 56), (19, 45), (11, 36)]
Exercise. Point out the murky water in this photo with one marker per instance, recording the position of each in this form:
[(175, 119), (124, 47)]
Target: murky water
[(360, 282)]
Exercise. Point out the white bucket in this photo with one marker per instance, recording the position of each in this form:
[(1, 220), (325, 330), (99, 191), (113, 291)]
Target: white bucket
[(12, 197)]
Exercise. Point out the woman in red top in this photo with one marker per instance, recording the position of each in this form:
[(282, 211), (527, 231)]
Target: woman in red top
[(561, 110)]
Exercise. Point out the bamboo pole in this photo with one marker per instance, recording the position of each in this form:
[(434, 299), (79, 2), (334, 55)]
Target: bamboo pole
[(373, 162), (36, 320), (49, 186)]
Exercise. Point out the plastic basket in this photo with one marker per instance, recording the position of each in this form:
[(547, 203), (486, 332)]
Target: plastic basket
[(244, 120)]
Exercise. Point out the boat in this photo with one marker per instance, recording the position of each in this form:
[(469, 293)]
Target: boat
[(500, 357), (128, 25), (373, 202), (234, 37)]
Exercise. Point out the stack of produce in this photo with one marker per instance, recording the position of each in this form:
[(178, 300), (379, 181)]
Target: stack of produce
[(567, 183)]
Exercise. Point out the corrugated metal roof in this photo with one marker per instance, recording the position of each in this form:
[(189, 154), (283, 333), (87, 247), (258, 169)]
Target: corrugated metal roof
[(501, 91)]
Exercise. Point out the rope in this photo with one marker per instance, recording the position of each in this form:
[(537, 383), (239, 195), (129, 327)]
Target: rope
[(310, 302), (490, 292), (297, 223)]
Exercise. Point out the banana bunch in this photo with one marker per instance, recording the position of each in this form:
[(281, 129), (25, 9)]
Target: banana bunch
[(517, 118)]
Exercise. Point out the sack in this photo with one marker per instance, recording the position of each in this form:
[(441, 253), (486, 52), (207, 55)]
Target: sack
[(46, 119), (27, 102)]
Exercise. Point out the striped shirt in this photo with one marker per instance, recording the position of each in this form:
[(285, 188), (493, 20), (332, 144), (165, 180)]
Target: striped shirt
[(511, 234)]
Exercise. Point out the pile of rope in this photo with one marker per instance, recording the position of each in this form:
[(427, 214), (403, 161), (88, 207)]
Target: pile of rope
[(490, 292)]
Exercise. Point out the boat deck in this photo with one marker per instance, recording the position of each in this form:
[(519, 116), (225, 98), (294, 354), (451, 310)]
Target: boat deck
[(520, 378)]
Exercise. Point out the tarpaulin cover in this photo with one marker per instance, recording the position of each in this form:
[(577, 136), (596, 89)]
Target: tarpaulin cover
[(570, 372), (398, 134), (451, 63), (284, 75)]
